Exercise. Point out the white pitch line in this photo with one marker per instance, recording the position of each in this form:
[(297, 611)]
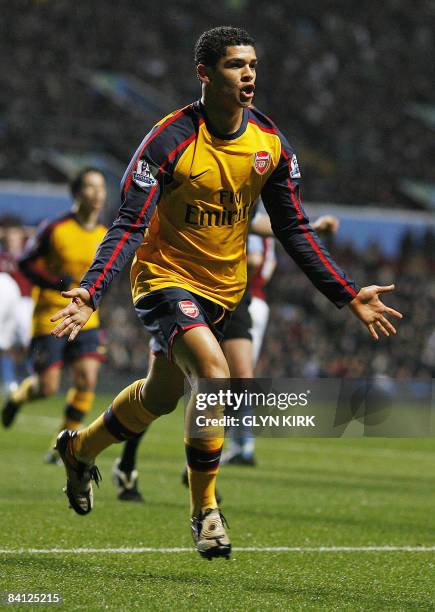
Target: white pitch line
[(260, 549)]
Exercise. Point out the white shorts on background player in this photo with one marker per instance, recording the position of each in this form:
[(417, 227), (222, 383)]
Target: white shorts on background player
[(9, 311), (258, 308), (259, 311), (24, 321)]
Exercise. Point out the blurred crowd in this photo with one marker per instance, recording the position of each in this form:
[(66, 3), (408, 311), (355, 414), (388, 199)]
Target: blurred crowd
[(336, 76)]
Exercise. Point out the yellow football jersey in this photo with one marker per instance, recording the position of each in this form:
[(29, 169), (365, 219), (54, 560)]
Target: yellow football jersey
[(56, 258), (193, 189), (203, 217)]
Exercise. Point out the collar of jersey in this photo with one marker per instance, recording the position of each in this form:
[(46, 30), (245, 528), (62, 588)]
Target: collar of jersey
[(216, 134)]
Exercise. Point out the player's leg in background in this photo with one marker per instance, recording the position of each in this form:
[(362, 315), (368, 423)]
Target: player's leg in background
[(24, 334), (79, 398), (16, 363), (10, 294), (241, 446), (259, 311), (124, 473), (8, 371), (46, 353)]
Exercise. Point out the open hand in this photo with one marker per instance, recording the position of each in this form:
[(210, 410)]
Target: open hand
[(368, 307), (75, 315)]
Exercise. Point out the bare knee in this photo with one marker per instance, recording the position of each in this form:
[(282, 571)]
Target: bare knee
[(198, 354), (212, 368), (85, 381)]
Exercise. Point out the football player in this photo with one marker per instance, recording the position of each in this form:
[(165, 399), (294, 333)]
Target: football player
[(186, 198), (56, 258)]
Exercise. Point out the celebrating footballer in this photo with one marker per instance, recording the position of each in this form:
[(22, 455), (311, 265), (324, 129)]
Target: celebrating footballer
[(184, 216)]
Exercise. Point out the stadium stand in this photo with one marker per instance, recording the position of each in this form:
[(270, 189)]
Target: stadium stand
[(356, 138)]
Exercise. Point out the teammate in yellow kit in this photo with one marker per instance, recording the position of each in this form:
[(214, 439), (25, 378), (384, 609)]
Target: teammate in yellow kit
[(186, 198), (54, 260)]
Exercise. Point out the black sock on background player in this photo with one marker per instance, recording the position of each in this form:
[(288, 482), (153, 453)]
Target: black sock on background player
[(128, 458)]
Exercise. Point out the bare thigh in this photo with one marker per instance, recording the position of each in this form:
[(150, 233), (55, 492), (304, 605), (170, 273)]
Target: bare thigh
[(49, 381), (238, 353)]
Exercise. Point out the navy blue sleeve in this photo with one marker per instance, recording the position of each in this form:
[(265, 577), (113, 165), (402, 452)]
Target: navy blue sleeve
[(290, 224), (140, 192), (141, 188)]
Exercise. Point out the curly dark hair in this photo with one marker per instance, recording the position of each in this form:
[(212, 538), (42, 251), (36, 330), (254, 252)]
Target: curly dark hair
[(212, 44), (77, 182)]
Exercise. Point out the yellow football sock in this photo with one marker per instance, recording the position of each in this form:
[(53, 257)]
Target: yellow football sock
[(78, 404), (203, 446), (90, 441), (124, 419), (203, 456)]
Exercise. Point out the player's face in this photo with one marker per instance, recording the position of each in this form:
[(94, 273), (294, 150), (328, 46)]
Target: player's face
[(93, 192), (14, 239), (233, 77)]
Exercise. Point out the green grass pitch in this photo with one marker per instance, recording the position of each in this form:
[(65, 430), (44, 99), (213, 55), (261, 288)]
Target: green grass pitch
[(306, 493)]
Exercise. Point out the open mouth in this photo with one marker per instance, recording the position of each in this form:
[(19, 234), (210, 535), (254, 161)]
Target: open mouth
[(247, 91)]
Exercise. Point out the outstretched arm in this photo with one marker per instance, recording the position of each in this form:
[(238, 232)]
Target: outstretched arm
[(281, 196), (290, 224), (325, 224), (369, 309)]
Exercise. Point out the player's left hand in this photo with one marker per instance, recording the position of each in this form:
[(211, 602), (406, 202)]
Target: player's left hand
[(75, 315), (326, 224), (368, 307)]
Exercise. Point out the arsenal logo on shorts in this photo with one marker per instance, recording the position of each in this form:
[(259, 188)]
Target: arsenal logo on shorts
[(261, 161), (189, 308)]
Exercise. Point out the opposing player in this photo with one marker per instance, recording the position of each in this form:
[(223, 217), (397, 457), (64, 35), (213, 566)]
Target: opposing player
[(57, 256), (13, 238), (190, 185), (9, 305), (245, 333)]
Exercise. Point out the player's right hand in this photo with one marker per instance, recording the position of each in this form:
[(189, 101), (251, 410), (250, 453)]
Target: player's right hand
[(75, 315)]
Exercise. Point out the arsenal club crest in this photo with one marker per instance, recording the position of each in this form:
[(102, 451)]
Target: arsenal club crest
[(262, 161), (189, 308)]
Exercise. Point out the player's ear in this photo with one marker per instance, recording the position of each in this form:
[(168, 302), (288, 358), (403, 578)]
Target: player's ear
[(203, 73)]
